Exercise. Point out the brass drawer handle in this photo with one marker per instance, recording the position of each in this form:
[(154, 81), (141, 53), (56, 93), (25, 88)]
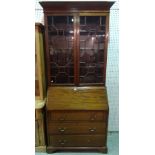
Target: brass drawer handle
[(62, 129), (93, 118), (62, 142), (92, 129)]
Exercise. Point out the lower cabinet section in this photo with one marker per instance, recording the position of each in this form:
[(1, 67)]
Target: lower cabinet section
[(77, 140), (77, 120), (77, 130)]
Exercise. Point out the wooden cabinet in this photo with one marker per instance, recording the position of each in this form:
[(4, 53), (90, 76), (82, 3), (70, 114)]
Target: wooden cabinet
[(76, 35), (40, 89)]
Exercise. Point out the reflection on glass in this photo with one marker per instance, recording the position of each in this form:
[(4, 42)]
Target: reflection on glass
[(60, 35), (92, 33)]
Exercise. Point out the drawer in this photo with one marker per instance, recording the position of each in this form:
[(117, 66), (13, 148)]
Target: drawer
[(77, 140), (77, 116), (77, 128)]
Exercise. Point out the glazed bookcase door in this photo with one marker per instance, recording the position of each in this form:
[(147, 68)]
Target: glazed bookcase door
[(91, 48), (77, 47), (61, 51)]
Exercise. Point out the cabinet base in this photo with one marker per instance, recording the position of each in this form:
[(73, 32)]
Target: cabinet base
[(50, 149), (40, 149)]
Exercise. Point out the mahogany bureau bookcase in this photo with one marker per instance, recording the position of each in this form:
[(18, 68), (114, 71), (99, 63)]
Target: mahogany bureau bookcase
[(76, 39)]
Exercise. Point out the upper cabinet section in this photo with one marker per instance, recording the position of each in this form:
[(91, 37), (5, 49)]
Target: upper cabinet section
[(76, 35)]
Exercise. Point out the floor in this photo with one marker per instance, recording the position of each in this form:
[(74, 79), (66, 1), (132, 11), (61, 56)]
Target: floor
[(113, 147)]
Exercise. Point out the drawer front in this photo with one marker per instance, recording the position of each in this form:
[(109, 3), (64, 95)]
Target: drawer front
[(77, 116), (77, 140), (77, 128)]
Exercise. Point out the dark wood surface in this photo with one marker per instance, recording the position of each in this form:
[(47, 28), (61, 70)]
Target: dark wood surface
[(77, 128), (76, 117), (75, 9), (76, 6), (77, 140), (102, 149), (83, 98), (48, 72), (72, 124)]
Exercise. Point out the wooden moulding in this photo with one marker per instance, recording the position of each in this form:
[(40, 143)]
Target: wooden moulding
[(54, 149), (76, 6)]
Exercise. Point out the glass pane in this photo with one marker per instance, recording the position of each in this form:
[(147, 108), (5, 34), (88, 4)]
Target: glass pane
[(60, 35), (92, 33)]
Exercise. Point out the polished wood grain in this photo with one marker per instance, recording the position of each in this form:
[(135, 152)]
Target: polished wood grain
[(77, 115), (77, 128), (77, 98), (77, 140), (76, 6)]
